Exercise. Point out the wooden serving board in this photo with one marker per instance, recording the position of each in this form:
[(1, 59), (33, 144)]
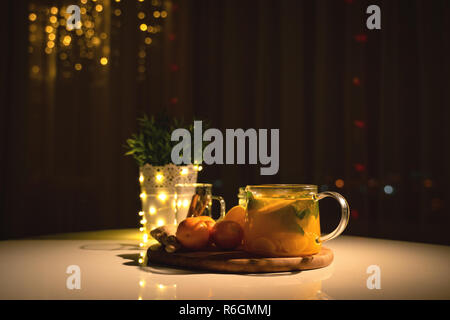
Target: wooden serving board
[(238, 261)]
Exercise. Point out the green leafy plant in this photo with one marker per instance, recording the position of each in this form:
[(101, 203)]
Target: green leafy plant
[(152, 144)]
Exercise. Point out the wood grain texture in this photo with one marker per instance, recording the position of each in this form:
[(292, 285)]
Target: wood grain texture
[(238, 261)]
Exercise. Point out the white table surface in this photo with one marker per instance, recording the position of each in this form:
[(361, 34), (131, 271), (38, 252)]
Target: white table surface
[(36, 269)]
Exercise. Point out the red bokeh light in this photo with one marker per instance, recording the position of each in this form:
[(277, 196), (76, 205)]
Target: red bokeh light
[(359, 167), (359, 123), (361, 38)]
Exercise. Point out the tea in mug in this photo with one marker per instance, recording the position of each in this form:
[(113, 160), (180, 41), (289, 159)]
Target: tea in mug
[(282, 227)]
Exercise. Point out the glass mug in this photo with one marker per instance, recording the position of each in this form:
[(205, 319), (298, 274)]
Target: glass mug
[(195, 199), (282, 220)]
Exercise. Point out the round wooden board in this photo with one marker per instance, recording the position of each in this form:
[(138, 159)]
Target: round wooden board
[(238, 261)]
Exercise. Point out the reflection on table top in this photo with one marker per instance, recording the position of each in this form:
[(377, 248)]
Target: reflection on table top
[(108, 260)]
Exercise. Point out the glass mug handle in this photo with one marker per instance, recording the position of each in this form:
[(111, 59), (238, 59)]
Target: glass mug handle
[(222, 205), (345, 214)]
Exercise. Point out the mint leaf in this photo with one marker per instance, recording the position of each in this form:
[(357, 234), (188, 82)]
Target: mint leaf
[(289, 220), (303, 213), (252, 203)]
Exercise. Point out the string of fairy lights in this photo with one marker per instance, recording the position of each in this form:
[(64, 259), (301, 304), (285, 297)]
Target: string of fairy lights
[(162, 197), (54, 47)]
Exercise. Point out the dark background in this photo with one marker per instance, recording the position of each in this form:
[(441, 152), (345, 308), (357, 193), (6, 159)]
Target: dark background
[(370, 107)]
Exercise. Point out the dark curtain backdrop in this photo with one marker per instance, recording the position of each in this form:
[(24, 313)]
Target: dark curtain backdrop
[(369, 107)]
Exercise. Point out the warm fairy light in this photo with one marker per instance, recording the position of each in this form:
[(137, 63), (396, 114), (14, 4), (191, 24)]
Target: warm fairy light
[(141, 15), (143, 221), (141, 244), (95, 41), (90, 33), (54, 10), (48, 29), (140, 261), (51, 36), (141, 229), (160, 286), (143, 27), (78, 66), (32, 16), (117, 12), (339, 183), (163, 14), (141, 254), (143, 195), (53, 19), (162, 196), (159, 177), (66, 40), (142, 283), (141, 69), (83, 10), (141, 213), (35, 69), (117, 0), (99, 8), (48, 50), (83, 1), (145, 238), (160, 222), (200, 168), (141, 179), (152, 210), (88, 24), (185, 203), (139, 298), (148, 40), (184, 171), (104, 61), (179, 203), (428, 183), (50, 44), (156, 14)]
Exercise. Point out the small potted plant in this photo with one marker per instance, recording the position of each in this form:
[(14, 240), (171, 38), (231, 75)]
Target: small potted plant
[(151, 148)]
